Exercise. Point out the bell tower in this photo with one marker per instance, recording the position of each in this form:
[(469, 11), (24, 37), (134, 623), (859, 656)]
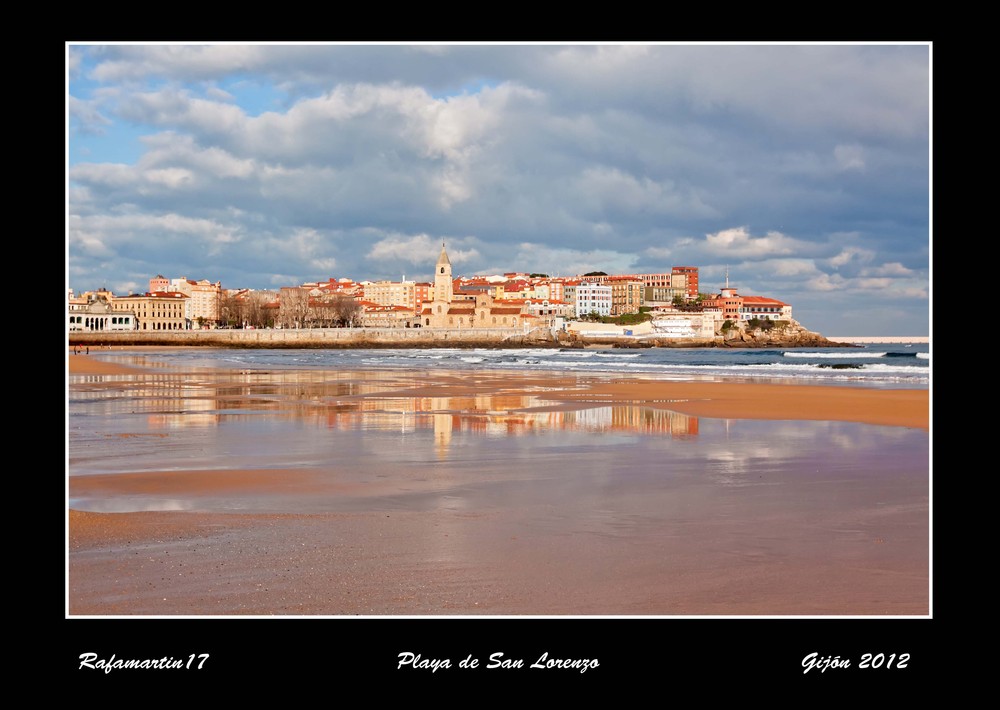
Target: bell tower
[(442, 278)]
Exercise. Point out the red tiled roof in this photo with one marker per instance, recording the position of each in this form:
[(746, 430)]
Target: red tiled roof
[(762, 301)]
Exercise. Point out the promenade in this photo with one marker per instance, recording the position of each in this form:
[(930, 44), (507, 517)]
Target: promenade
[(880, 339)]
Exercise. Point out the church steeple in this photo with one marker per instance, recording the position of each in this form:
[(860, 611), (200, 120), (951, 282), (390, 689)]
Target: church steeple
[(443, 260), (443, 290)]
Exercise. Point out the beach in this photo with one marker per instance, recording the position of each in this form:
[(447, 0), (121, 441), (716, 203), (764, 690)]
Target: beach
[(234, 491)]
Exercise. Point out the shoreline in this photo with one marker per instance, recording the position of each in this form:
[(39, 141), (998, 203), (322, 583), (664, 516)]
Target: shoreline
[(721, 400)]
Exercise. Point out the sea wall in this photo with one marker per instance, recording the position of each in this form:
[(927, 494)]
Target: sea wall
[(881, 339), (431, 338), (319, 338)]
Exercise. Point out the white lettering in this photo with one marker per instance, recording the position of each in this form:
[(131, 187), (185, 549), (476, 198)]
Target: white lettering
[(90, 660), (583, 664), (86, 660), (406, 658), (497, 661)]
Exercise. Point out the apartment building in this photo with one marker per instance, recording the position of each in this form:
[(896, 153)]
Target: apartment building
[(162, 310), (593, 298), (626, 294)]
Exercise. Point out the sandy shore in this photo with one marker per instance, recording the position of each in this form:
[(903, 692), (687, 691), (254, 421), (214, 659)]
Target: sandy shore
[(87, 365), (504, 529), (896, 407)]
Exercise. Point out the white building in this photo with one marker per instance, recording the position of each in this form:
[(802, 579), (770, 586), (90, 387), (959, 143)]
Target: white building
[(99, 316), (593, 298)]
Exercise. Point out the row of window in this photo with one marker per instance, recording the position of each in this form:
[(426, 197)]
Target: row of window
[(115, 320), (461, 320)]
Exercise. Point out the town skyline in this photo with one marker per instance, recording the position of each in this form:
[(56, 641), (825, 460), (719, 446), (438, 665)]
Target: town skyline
[(802, 170)]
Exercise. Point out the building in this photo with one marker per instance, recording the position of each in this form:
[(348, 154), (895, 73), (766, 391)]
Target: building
[(659, 280), (685, 278), (204, 299), (159, 284), (98, 316), (569, 290), (764, 309), (396, 293), (727, 303), (661, 294), (443, 287), (626, 294), (376, 315), (163, 310), (472, 309), (593, 298)]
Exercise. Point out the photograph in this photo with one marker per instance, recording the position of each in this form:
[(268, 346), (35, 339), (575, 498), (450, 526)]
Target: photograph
[(494, 358)]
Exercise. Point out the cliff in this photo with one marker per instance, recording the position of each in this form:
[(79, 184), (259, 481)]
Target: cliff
[(790, 335)]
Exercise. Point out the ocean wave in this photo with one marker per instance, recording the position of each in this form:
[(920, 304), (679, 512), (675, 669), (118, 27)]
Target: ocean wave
[(839, 356)]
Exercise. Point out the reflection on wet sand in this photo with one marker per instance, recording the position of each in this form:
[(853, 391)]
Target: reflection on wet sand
[(325, 492), (378, 402)]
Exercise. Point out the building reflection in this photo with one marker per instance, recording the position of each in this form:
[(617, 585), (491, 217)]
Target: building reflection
[(353, 401)]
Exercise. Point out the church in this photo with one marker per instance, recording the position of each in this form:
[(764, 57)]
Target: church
[(449, 309)]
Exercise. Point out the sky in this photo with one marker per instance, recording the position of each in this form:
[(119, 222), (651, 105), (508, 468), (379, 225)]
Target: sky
[(801, 170)]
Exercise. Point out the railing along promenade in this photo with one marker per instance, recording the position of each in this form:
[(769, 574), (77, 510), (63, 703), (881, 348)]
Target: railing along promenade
[(311, 337)]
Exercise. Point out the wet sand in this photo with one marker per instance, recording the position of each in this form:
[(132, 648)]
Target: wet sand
[(509, 495)]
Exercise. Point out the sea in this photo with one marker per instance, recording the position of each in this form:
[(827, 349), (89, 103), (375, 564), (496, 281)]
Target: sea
[(885, 365)]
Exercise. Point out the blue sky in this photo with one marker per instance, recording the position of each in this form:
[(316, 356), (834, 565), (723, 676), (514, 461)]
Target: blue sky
[(803, 169)]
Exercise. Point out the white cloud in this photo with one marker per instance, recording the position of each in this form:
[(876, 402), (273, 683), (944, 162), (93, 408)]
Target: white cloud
[(127, 227), (191, 61), (171, 149), (169, 177), (789, 267), (737, 242), (421, 249), (850, 255), (91, 120), (892, 269), (106, 174), (325, 265), (890, 287), (659, 252), (827, 282)]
